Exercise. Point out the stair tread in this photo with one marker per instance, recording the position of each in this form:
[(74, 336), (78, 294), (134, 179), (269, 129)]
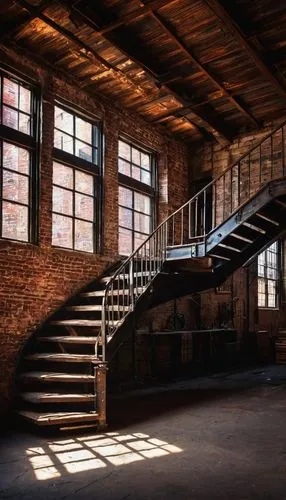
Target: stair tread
[(54, 418), (100, 293), (57, 377), (71, 339), (120, 276), (77, 322), (63, 357), (91, 308), (45, 397)]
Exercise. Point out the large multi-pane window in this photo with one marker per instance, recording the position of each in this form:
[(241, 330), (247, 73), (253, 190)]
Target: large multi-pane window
[(76, 171), (136, 196), (269, 276), (18, 134)]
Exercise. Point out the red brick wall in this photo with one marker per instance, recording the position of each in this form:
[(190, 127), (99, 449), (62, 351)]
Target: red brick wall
[(36, 279)]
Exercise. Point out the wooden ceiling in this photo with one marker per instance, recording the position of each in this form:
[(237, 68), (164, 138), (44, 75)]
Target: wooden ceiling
[(201, 68)]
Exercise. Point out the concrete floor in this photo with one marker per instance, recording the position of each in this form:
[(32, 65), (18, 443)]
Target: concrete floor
[(221, 437)]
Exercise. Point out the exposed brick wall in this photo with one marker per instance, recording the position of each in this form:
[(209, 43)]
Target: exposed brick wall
[(36, 279)]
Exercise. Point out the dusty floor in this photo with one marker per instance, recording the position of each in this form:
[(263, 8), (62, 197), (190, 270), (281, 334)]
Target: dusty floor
[(221, 437)]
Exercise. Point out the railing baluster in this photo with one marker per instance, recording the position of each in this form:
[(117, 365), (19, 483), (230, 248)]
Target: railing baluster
[(205, 213), (196, 217), (260, 166), (182, 226), (248, 175), (238, 183), (283, 152), (214, 205), (271, 156)]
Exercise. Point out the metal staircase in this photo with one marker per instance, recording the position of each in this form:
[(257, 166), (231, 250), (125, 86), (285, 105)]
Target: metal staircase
[(62, 374)]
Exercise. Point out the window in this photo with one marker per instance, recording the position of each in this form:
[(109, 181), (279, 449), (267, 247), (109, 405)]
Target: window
[(75, 182), (136, 196), (269, 276), (18, 131)]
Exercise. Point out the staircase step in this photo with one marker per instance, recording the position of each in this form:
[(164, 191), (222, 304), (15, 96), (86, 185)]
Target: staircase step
[(91, 308), (228, 247), (77, 322), (242, 238), (255, 228), (56, 377), (100, 293), (267, 219), (139, 274), (59, 417), (66, 357), (54, 397), (217, 256), (280, 203), (72, 339)]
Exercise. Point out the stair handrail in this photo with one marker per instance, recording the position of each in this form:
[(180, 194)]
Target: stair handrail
[(161, 238)]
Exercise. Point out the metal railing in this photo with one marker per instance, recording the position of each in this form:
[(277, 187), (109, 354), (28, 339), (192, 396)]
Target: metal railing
[(190, 224)]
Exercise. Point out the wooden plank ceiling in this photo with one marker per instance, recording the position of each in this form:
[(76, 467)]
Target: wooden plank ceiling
[(201, 68)]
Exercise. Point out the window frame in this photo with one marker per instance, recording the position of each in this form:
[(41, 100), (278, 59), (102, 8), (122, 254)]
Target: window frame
[(29, 142), (135, 185), (82, 165), (278, 268)]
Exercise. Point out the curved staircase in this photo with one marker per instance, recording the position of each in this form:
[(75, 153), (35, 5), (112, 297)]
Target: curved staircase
[(62, 374)]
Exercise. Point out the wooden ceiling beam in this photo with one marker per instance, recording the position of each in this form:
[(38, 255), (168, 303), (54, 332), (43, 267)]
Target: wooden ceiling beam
[(131, 17), (13, 28), (138, 54), (231, 25), (85, 49), (170, 32)]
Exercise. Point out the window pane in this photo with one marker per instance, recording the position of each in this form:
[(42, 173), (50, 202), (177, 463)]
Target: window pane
[(124, 167), (83, 236), (15, 158), (84, 207), (125, 217), (63, 141), (124, 150), (62, 175), (63, 121), (83, 151), (125, 197), (146, 161), (15, 187), (142, 203), (124, 242), (10, 118), (10, 93), (136, 173), (146, 177), (24, 123), (84, 182), (138, 239), (135, 156), (83, 130), (142, 223), (25, 100), (62, 201), (14, 221), (62, 231)]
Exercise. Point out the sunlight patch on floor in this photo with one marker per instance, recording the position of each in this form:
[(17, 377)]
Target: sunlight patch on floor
[(93, 452)]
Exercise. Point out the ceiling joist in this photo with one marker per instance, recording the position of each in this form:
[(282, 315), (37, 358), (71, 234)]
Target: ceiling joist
[(231, 25)]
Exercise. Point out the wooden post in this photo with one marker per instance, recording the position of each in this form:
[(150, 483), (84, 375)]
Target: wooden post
[(100, 381)]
